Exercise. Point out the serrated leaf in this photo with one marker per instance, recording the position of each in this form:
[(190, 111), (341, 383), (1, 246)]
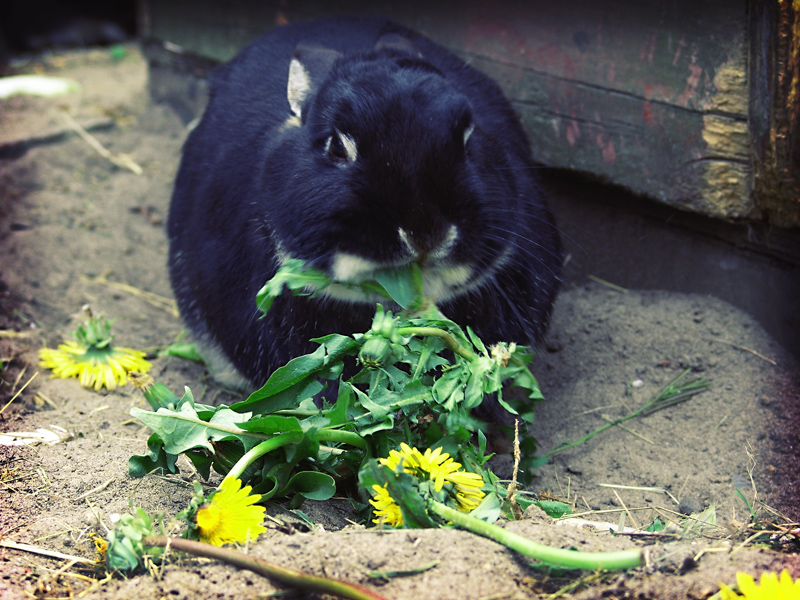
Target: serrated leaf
[(182, 429), (375, 410), (415, 393), (452, 442), (336, 345), (474, 391), (339, 414), (387, 424), (156, 458), (291, 397), (448, 390), (295, 276), (182, 350), (296, 381), (291, 373), (201, 461)]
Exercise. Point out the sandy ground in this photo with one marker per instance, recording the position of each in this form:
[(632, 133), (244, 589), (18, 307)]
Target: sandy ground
[(68, 217)]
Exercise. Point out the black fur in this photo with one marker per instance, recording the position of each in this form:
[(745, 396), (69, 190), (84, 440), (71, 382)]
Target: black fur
[(252, 189)]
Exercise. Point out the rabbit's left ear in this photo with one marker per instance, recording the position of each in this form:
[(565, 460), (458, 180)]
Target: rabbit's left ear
[(308, 67)]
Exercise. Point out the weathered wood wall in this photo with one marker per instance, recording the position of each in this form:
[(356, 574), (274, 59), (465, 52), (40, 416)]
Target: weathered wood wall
[(774, 116), (656, 96)]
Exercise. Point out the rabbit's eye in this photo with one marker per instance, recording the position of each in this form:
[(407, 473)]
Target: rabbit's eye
[(341, 149)]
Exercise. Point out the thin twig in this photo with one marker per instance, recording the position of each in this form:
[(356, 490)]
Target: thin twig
[(11, 334), (756, 535), (627, 512), (19, 377), (590, 512), (44, 552), (100, 487), (96, 584), (746, 349), (635, 488), (608, 284), (121, 160), (14, 397), (629, 430), (672, 393), (511, 490), (290, 577), (165, 304), (46, 400)]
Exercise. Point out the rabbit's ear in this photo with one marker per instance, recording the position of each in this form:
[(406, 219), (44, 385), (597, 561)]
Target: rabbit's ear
[(308, 67), (395, 41)]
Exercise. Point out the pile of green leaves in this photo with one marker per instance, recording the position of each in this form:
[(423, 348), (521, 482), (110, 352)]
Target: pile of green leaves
[(420, 378)]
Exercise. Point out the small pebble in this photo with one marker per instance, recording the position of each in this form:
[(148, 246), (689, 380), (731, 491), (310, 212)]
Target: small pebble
[(94, 516), (690, 505)]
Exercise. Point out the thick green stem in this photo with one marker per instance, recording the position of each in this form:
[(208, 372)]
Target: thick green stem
[(416, 280), (570, 559), (293, 437), (345, 437), (410, 401), (451, 342), (301, 414), (265, 447), (290, 577)]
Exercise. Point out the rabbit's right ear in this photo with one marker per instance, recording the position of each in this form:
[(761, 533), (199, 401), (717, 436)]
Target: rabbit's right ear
[(395, 41), (308, 67)]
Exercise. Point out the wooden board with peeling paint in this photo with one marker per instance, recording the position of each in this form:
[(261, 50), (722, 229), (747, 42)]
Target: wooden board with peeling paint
[(654, 96)]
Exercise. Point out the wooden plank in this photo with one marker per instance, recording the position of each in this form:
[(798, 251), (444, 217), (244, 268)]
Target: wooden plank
[(649, 95), (775, 107), (680, 156), (652, 96)]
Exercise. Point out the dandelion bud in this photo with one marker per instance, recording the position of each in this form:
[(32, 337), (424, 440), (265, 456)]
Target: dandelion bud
[(375, 352), (156, 393)]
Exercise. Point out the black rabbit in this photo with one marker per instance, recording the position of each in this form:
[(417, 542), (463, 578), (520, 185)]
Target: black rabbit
[(355, 144)]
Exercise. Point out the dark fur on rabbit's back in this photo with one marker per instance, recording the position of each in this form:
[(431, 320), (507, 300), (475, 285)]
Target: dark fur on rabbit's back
[(389, 149)]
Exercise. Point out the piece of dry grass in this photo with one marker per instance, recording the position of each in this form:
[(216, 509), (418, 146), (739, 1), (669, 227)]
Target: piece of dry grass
[(165, 304), (11, 334), (511, 490), (44, 552), (608, 284), (121, 160), (16, 395), (746, 349)]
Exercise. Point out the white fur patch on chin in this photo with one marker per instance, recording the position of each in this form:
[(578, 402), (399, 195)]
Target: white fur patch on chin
[(350, 268), (440, 282)]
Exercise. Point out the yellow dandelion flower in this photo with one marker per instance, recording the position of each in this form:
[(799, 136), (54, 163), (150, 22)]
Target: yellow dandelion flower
[(770, 588), (432, 465), (92, 359), (231, 515), (386, 509)]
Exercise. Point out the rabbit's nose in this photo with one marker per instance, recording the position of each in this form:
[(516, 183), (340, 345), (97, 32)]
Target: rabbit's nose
[(430, 246)]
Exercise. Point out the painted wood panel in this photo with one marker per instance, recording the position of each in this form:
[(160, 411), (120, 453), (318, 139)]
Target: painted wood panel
[(654, 96)]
